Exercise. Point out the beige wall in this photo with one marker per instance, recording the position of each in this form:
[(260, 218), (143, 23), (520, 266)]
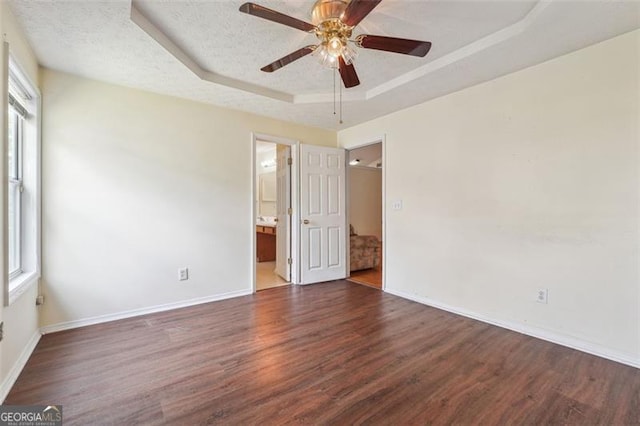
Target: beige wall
[(365, 200), (527, 181), (137, 185), (21, 317)]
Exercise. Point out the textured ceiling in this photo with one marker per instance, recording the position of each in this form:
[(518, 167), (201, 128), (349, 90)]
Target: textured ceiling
[(473, 41), (368, 156)]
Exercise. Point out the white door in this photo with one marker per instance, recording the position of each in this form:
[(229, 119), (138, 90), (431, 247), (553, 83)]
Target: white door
[(322, 214), (283, 212)]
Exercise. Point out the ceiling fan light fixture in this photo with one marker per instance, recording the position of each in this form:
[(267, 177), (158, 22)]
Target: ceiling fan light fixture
[(326, 60), (335, 47), (349, 54), (333, 36)]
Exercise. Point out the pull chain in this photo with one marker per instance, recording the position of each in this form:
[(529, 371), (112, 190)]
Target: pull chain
[(341, 103), (334, 90)]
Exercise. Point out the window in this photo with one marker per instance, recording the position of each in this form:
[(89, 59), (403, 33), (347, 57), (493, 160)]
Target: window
[(17, 114), (23, 185)]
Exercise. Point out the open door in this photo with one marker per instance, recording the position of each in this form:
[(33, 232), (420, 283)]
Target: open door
[(283, 212), (322, 214)]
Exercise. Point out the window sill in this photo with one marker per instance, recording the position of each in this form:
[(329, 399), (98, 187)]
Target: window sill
[(20, 284)]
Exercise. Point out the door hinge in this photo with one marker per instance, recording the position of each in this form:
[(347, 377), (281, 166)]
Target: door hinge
[(289, 261), (289, 161), (289, 211)]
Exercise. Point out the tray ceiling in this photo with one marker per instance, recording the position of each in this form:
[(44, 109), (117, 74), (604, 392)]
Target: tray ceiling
[(208, 51)]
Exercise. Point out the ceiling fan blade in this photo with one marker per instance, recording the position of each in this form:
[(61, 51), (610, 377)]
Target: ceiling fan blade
[(348, 74), (286, 60), (392, 44), (272, 15), (357, 10)]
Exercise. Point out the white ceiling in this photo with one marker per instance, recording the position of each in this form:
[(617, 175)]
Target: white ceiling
[(210, 52), (262, 147), (368, 156)]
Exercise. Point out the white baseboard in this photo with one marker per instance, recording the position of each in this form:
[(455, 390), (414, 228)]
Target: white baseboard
[(142, 311), (11, 378), (560, 339)]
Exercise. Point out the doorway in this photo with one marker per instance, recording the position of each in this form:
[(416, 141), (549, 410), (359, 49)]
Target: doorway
[(308, 222), (365, 203), (273, 198)]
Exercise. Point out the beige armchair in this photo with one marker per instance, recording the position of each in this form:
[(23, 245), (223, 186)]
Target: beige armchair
[(364, 252)]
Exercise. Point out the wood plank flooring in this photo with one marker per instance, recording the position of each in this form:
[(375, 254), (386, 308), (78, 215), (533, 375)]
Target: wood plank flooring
[(333, 353), (371, 277)]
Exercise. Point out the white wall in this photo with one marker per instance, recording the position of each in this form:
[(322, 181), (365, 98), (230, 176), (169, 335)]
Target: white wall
[(527, 181), (365, 200), (137, 185), (21, 317)]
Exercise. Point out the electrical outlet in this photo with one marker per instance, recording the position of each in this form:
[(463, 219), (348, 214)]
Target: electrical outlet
[(183, 274), (542, 295), (397, 205)]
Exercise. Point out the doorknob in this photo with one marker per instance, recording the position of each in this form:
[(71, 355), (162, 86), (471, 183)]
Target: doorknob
[(306, 221)]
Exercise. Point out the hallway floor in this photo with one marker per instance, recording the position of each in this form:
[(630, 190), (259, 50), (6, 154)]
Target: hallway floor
[(371, 277), (266, 276)]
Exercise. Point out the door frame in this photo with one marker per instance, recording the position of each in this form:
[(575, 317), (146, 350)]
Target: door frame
[(382, 140), (295, 192)]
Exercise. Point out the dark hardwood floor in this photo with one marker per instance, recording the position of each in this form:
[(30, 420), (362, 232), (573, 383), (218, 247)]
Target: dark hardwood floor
[(333, 353)]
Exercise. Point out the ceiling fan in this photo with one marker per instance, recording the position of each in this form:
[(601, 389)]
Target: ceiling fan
[(333, 24)]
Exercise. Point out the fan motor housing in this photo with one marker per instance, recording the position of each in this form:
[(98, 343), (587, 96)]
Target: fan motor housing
[(325, 10)]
